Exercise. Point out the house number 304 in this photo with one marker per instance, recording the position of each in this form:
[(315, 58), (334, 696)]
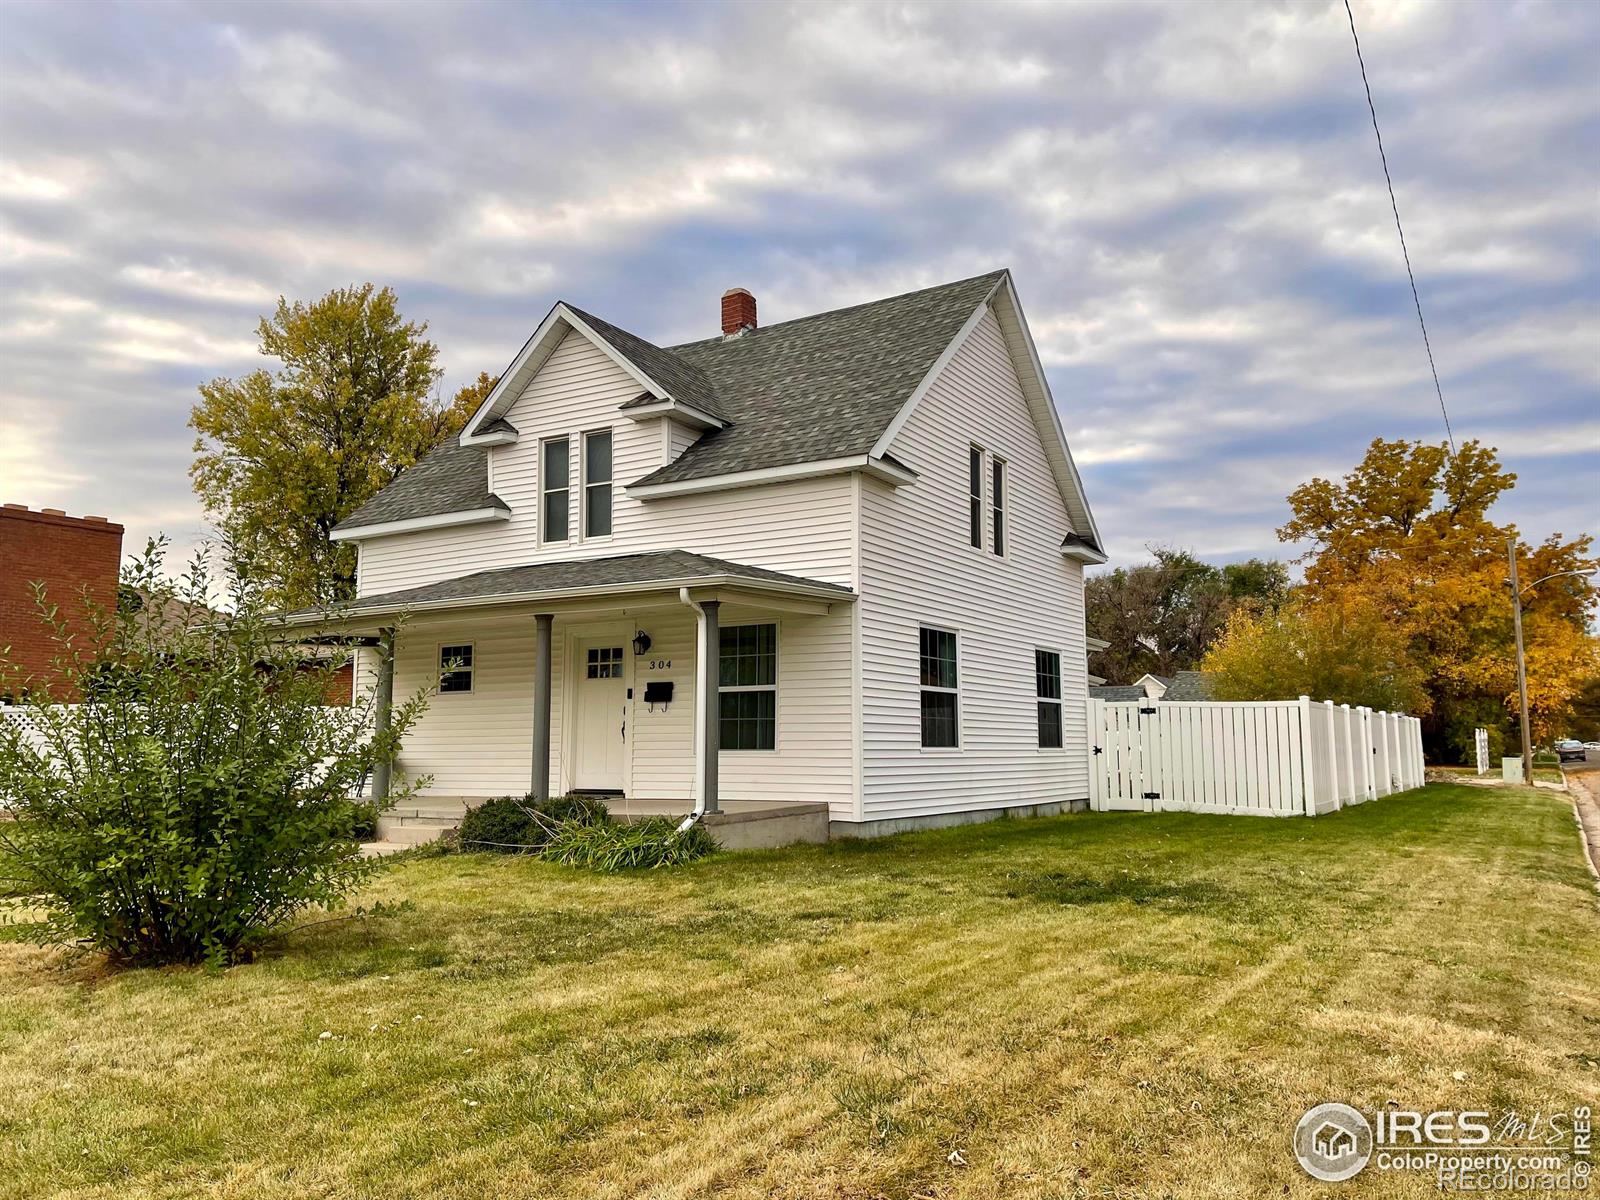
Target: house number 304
[(660, 664)]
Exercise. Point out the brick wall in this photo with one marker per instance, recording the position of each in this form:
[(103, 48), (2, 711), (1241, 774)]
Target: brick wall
[(69, 554)]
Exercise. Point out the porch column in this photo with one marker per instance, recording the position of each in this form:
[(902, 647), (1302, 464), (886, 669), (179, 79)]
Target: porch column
[(710, 708), (541, 708), (383, 702)]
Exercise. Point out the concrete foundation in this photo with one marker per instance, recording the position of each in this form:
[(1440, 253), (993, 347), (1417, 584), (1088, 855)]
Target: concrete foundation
[(867, 829)]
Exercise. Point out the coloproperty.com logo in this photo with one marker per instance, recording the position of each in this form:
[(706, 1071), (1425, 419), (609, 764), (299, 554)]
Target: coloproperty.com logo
[(1462, 1150)]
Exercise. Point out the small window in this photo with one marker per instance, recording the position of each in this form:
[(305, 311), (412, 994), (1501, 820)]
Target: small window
[(941, 725), (747, 682), (975, 496), (1047, 687), (997, 506), (604, 662), (455, 668), (597, 484), (554, 489)]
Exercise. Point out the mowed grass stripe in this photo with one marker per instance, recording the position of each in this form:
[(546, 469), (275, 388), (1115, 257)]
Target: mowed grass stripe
[(1097, 1005)]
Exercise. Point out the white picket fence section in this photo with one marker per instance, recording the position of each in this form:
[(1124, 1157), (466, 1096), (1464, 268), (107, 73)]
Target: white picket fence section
[(1280, 758)]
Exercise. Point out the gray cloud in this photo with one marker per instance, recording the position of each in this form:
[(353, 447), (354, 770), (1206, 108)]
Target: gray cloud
[(1189, 196)]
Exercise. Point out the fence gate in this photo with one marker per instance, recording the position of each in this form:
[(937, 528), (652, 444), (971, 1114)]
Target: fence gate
[(1275, 758), (1118, 754)]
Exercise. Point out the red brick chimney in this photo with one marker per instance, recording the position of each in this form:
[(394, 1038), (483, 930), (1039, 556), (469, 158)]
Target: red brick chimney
[(738, 312)]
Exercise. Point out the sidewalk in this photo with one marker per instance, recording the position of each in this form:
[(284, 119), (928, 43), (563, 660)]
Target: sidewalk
[(1585, 789)]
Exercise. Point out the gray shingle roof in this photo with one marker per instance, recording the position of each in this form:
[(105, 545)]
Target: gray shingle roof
[(683, 380), (1190, 685), (816, 388), (577, 576), (820, 387), (454, 478), (1117, 693)]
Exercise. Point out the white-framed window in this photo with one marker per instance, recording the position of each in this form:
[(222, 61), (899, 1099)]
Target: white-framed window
[(597, 484), (975, 496), (1047, 693), (747, 686), (554, 489), (997, 506), (939, 678), (456, 663)]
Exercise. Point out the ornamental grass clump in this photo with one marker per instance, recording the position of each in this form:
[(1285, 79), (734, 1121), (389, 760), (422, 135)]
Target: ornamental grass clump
[(522, 825), (179, 786), (633, 846)]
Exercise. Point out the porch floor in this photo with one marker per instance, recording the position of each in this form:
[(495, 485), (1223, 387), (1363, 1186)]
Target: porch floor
[(739, 825)]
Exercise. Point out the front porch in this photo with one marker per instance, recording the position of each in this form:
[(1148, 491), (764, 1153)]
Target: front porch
[(708, 688)]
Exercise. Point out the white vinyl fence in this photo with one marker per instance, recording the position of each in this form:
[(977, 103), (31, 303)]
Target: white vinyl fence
[(1277, 758)]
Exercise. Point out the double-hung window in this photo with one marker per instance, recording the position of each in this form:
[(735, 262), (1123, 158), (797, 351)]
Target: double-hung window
[(455, 668), (597, 484), (1047, 689), (997, 506), (554, 489), (941, 721), (975, 496), (747, 687)]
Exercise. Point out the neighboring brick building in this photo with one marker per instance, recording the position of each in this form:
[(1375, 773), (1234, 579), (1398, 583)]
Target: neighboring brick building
[(68, 554)]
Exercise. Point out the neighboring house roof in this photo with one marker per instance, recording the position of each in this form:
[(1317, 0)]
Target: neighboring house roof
[(1117, 693), (820, 387), (454, 478), (551, 580), (1190, 685)]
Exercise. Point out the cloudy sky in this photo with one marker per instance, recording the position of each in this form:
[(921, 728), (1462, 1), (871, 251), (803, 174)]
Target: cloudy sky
[(1189, 196)]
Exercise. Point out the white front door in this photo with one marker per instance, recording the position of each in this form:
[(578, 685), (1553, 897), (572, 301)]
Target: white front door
[(601, 717)]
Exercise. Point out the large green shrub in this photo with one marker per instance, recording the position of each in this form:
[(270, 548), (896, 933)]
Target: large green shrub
[(636, 845), (193, 791), (521, 825)]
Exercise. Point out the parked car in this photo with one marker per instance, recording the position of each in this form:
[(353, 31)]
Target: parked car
[(1591, 745), (1571, 751)]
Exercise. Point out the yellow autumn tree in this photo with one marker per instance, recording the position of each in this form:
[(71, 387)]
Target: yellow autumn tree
[(1409, 530)]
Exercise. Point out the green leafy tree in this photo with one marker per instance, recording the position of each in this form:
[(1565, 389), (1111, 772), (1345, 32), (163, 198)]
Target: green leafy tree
[(283, 456), (1160, 617), (198, 796)]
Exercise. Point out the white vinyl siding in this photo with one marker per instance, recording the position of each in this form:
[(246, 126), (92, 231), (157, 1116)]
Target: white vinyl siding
[(804, 527), (478, 744), (1004, 607)]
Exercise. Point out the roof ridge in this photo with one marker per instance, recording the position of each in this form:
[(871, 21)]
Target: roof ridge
[(833, 312)]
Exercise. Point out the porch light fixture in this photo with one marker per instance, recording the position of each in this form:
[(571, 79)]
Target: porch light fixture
[(641, 643)]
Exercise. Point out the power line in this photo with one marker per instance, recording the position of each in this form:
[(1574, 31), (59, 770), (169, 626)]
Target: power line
[(1406, 254)]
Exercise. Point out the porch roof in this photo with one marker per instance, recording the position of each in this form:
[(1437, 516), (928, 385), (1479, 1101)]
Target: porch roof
[(569, 579)]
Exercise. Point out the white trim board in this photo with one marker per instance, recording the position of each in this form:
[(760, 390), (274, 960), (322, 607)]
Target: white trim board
[(472, 516)]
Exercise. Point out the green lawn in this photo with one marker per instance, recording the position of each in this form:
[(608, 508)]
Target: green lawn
[(1096, 1006)]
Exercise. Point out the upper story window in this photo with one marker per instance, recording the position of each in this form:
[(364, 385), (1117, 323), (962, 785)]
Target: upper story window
[(455, 668), (1047, 689), (997, 507), (597, 484), (975, 496), (941, 721), (747, 687), (553, 489)]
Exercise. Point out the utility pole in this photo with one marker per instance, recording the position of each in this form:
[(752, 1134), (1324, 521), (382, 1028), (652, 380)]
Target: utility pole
[(1522, 665)]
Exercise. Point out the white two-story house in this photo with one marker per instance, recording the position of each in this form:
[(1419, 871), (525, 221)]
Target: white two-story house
[(835, 560)]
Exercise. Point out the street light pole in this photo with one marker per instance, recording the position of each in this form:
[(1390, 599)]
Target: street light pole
[(1522, 666), (1522, 660)]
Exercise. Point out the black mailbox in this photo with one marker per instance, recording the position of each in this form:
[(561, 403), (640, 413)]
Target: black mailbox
[(658, 691)]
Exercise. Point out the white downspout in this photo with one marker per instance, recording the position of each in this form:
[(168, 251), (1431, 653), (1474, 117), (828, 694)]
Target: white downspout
[(701, 668)]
